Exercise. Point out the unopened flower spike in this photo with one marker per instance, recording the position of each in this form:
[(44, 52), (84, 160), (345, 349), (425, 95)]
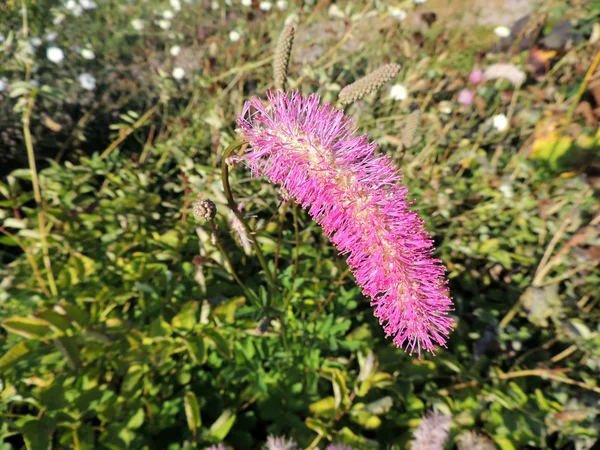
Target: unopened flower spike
[(355, 194), (204, 209), (369, 83), (282, 56)]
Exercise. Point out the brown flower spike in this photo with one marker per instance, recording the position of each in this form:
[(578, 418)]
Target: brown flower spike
[(282, 56), (369, 83)]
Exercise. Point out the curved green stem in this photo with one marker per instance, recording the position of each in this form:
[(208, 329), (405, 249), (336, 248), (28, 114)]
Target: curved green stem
[(233, 206), (220, 247)]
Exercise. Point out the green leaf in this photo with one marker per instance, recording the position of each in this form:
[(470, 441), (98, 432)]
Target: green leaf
[(38, 433), (186, 319), (192, 412), (317, 426), (325, 407), (14, 354), (220, 428), (67, 346), (74, 312), (136, 420), (195, 346), (28, 327), (218, 341)]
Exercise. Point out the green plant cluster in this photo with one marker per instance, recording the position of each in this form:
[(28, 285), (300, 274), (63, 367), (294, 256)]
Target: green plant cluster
[(122, 323)]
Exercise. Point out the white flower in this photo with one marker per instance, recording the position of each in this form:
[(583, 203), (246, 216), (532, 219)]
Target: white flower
[(164, 24), (500, 122), (137, 24), (282, 4), (74, 7), (3, 84), (175, 4), (86, 53), (88, 4), (246, 3), (175, 50), (167, 14), (398, 13), (51, 37), (398, 92), (2, 38), (266, 6), (445, 107), (214, 5), (178, 73), (419, 2), (36, 41), (55, 55), (335, 11), (87, 81), (234, 36), (502, 32)]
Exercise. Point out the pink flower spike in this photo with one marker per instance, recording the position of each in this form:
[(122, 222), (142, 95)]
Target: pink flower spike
[(465, 97), (313, 152)]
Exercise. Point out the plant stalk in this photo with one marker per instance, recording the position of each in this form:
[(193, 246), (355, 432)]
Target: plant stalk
[(37, 194), (233, 206)]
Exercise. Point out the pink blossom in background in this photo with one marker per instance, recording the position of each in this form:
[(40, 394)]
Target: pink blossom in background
[(465, 97), (313, 151), (476, 76)]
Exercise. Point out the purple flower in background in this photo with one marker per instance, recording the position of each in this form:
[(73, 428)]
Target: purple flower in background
[(476, 76), (432, 433), (280, 443), (339, 447), (465, 97), (313, 151)]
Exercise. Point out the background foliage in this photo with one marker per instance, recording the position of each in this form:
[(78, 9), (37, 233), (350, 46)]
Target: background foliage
[(143, 339)]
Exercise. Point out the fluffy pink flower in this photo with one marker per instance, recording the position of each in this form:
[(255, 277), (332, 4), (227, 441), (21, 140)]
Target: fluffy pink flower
[(466, 97), (476, 76), (313, 151)]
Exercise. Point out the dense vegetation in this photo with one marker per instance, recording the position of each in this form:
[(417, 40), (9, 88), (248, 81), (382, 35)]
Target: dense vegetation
[(122, 324)]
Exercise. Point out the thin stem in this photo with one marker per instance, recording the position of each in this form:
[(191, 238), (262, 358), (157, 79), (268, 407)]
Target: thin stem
[(37, 194), (233, 206), (297, 235), (125, 133), (584, 84), (279, 239), (220, 247)]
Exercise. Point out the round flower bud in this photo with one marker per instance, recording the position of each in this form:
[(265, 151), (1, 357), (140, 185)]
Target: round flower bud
[(204, 209)]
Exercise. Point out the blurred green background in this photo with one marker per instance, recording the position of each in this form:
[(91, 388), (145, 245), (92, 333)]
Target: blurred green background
[(122, 326)]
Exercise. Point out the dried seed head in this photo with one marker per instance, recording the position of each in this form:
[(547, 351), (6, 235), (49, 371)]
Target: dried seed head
[(282, 55), (204, 210), (369, 83), (411, 127)]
